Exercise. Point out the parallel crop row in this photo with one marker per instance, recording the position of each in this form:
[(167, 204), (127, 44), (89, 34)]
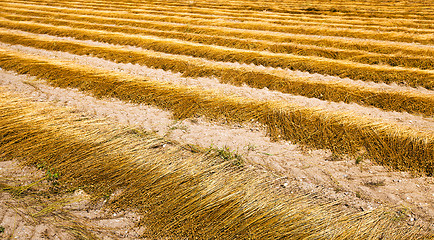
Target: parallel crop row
[(303, 29), (178, 192), (412, 77), (365, 45), (214, 36), (387, 100), (391, 145), (164, 9), (300, 8), (239, 16)]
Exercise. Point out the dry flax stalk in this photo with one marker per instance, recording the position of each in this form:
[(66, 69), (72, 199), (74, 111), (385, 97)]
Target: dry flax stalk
[(391, 145), (411, 77), (308, 30), (356, 44), (179, 193), (214, 36), (388, 100)]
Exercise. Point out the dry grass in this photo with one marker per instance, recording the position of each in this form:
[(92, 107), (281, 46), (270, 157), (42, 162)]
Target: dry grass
[(387, 144), (302, 29), (398, 12), (411, 77), (365, 45), (213, 36), (186, 193), (388, 100), (180, 194)]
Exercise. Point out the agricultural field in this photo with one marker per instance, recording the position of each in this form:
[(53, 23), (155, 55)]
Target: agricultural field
[(241, 119)]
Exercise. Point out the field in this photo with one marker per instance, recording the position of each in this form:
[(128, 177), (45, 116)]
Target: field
[(203, 119)]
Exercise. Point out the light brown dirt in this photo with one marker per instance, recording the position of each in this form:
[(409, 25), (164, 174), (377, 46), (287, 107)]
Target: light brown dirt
[(363, 186), (74, 216)]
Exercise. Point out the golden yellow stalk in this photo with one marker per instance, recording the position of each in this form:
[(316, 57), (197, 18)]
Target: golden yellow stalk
[(412, 77), (300, 29), (180, 194), (398, 147), (215, 36), (274, 80)]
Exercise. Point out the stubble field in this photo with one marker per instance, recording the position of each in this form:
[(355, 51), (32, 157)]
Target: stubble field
[(219, 119)]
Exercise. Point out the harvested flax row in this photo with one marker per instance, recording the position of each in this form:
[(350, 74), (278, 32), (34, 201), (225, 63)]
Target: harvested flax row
[(297, 29), (180, 193), (411, 102), (395, 146), (411, 77), (227, 37), (167, 9)]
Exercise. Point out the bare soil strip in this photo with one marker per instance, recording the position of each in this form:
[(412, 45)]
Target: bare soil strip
[(338, 132), (35, 207), (309, 120), (179, 192)]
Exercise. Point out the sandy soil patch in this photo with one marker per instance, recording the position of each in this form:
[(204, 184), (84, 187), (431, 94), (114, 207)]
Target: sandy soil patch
[(46, 211)]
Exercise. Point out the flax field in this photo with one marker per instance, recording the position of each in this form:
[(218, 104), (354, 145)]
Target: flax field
[(354, 79)]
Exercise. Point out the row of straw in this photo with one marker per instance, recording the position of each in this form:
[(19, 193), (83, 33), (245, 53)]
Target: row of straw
[(326, 21), (363, 21), (411, 77), (297, 8), (366, 45), (304, 29), (301, 8), (388, 100), (391, 145), (212, 36), (180, 194), (408, 25)]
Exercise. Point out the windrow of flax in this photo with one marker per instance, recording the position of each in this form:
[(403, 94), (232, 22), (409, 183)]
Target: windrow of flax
[(387, 24), (355, 44), (353, 9), (273, 80), (304, 29), (216, 36), (411, 77), (391, 145), (179, 193), (399, 13)]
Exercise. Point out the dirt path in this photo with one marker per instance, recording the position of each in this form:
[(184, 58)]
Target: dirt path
[(358, 183)]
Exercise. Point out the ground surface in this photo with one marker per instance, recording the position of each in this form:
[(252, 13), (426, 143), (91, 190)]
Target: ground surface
[(42, 212)]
